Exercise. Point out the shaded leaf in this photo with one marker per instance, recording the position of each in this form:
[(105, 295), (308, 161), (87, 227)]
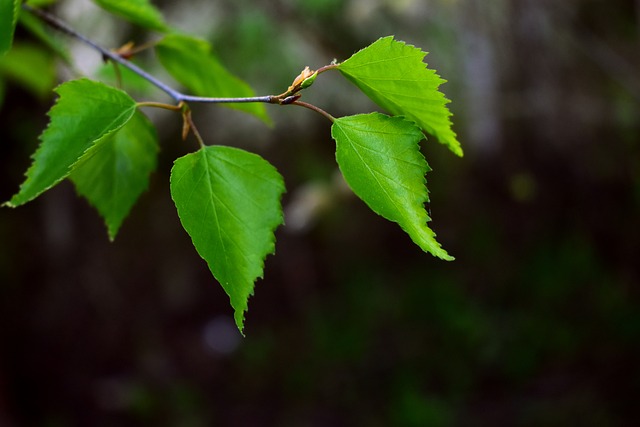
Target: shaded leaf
[(86, 112), (30, 66), (380, 159), (228, 201), (114, 173), (190, 61), (139, 12), (395, 77), (9, 11)]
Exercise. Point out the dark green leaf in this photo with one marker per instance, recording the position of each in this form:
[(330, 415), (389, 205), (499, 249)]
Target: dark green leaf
[(9, 11), (228, 201), (85, 113), (190, 61), (395, 77), (114, 173), (139, 12), (380, 159)]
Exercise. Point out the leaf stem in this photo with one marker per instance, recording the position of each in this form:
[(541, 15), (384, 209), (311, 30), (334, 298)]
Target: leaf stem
[(160, 105), (190, 125), (327, 68), (314, 108)]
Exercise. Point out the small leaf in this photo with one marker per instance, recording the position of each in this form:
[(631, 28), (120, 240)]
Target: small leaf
[(380, 159), (85, 112), (190, 61), (114, 173), (228, 201), (139, 12), (395, 77), (9, 11)]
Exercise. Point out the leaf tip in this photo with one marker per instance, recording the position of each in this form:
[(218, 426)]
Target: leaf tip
[(239, 318)]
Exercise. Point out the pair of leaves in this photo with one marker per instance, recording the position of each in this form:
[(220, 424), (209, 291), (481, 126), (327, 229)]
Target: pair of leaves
[(394, 76), (98, 139), (379, 155)]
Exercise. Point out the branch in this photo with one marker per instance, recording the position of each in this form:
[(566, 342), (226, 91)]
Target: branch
[(58, 24)]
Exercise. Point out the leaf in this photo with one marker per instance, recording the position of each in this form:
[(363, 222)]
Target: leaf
[(86, 112), (139, 12), (228, 201), (113, 174), (30, 66), (190, 61), (380, 159), (9, 11), (395, 77)]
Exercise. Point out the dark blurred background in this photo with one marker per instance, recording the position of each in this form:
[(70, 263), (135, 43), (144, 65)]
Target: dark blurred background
[(536, 323)]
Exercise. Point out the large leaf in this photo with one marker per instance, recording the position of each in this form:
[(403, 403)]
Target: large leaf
[(139, 12), (85, 113), (395, 77), (380, 159), (228, 201), (114, 173), (9, 11), (191, 62)]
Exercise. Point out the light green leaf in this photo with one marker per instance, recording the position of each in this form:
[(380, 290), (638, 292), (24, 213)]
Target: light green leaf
[(190, 61), (228, 201), (30, 66), (9, 11), (380, 159), (86, 112), (113, 174), (395, 77), (139, 12)]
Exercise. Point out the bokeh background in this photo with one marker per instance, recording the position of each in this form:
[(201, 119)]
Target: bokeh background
[(536, 323)]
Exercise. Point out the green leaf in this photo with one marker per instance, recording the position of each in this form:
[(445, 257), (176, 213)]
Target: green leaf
[(139, 12), (85, 113), (190, 61), (395, 77), (380, 159), (30, 66), (9, 11), (228, 201), (114, 173)]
